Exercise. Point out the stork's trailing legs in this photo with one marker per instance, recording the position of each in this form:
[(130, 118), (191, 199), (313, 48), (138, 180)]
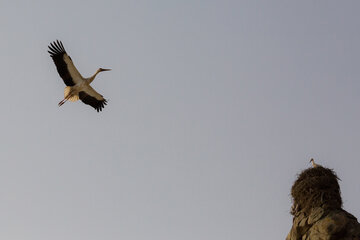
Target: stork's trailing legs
[(64, 100)]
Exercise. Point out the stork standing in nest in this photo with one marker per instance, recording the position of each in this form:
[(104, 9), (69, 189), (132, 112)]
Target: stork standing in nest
[(313, 163), (77, 87)]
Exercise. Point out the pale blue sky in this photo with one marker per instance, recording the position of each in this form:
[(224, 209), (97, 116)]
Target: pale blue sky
[(214, 107)]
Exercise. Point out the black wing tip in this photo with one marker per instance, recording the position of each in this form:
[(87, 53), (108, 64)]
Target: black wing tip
[(101, 105), (56, 48), (98, 105)]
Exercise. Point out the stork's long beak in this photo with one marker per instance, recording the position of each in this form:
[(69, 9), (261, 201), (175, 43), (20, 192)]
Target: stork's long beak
[(105, 69), (311, 160)]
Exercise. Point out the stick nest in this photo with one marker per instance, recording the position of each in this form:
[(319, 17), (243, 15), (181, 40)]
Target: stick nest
[(316, 187)]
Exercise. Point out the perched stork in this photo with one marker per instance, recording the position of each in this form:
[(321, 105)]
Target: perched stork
[(77, 87), (313, 163)]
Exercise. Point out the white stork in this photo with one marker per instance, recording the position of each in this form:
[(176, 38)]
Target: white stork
[(77, 87), (313, 163)]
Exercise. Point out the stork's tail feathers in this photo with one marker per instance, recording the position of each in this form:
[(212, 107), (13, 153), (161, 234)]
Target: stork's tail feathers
[(69, 96)]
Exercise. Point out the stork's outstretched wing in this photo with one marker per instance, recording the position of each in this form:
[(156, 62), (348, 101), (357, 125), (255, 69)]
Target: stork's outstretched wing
[(89, 96), (64, 64)]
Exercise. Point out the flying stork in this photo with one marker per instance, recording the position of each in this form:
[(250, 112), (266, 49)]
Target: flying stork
[(77, 87)]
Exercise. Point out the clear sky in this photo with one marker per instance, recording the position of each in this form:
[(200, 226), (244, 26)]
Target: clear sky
[(214, 107)]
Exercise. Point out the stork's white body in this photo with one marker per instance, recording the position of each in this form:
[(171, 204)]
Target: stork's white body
[(71, 93)]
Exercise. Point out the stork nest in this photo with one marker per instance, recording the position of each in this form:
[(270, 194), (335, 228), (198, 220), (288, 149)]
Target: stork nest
[(316, 187)]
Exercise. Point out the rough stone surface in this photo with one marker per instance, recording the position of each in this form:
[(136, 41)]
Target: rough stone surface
[(317, 208), (330, 225)]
